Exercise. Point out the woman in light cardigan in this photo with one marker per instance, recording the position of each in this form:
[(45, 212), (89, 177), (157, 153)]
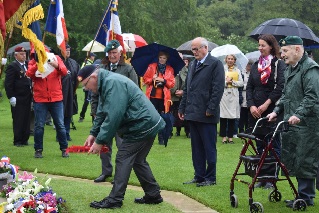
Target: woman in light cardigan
[(229, 105)]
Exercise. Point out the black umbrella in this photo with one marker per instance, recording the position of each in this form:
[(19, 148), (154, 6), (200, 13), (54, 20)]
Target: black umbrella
[(282, 27), (186, 48)]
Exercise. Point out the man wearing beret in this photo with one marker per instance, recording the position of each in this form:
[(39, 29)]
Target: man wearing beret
[(115, 63), (47, 95), (18, 89), (300, 105), (123, 109)]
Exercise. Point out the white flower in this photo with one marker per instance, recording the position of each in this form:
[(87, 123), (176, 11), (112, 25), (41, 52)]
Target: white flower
[(9, 207)]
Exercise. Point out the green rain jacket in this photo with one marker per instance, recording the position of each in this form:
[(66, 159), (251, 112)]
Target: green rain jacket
[(300, 145), (123, 108)]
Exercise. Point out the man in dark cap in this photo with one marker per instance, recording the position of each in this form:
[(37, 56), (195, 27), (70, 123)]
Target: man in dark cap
[(115, 64), (18, 89), (300, 106), (123, 109)]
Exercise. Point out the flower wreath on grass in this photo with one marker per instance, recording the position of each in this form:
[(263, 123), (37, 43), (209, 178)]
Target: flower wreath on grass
[(7, 170), (27, 195)]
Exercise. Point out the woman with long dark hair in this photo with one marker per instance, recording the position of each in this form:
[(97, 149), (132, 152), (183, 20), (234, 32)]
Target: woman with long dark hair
[(264, 88)]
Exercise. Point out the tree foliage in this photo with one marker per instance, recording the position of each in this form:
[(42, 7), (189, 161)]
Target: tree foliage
[(173, 22)]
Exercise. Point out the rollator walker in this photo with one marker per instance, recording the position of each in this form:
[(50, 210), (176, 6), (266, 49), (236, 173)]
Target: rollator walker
[(262, 168)]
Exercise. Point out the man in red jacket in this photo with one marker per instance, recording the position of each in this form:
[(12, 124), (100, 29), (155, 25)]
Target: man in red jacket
[(47, 94)]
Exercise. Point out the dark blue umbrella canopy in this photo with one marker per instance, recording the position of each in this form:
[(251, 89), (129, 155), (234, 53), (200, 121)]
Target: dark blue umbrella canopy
[(282, 27), (144, 56)]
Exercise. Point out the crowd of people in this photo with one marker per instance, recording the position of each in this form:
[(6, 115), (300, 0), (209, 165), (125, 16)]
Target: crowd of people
[(281, 85)]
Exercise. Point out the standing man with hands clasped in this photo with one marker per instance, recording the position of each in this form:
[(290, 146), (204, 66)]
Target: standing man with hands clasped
[(204, 88), (115, 64), (300, 105), (18, 89), (123, 109)]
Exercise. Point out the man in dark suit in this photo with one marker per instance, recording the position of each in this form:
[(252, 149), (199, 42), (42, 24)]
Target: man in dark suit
[(18, 89), (202, 93)]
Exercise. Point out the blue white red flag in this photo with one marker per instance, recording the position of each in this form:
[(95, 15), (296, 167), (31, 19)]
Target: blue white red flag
[(55, 24), (110, 27)]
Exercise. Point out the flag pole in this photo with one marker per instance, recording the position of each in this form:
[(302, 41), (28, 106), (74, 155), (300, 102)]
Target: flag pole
[(6, 50), (97, 32)]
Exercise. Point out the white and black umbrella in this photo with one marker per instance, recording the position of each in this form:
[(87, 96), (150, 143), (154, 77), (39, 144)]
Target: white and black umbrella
[(25, 45), (186, 48), (282, 27)]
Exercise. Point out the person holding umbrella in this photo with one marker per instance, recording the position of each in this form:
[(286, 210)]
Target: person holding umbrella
[(263, 90), (229, 105), (159, 79)]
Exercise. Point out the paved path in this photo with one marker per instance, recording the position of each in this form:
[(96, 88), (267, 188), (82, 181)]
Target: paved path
[(177, 199)]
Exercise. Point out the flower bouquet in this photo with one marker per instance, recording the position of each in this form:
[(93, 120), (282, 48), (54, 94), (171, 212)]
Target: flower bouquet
[(27, 195), (7, 171)]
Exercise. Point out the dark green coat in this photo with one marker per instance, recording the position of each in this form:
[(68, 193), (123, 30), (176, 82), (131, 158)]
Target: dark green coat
[(300, 146), (124, 109)]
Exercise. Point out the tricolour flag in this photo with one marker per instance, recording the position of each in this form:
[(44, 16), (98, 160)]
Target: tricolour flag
[(110, 27), (55, 24)]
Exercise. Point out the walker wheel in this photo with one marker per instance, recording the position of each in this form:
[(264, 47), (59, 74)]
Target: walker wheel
[(274, 196), (299, 205), (234, 201), (256, 207)]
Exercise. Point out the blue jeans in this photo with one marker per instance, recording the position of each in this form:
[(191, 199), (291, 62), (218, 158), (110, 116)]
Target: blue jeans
[(40, 113)]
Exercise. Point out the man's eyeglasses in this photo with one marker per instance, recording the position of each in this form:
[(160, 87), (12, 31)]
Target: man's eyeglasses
[(196, 49), (87, 81)]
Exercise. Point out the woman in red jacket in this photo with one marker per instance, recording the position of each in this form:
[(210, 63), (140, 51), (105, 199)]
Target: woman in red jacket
[(159, 79)]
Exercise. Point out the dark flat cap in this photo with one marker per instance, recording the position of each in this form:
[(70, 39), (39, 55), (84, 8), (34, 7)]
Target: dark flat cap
[(86, 71), (291, 40), (92, 54)]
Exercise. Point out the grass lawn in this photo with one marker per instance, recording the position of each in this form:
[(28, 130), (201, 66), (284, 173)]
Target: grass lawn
[(171, 166)]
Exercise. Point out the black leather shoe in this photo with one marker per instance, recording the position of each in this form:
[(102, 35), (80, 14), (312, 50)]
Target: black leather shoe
[(101, 178), (105, 204), (149, 200), (260, 184), (192, 181), (206, 183)]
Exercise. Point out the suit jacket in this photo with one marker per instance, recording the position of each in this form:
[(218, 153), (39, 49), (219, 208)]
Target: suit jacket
[(17, 84), (203, 91)]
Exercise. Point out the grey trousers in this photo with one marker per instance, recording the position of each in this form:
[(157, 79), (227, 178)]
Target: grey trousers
[(133, 156), (306, 189), (106, 158)]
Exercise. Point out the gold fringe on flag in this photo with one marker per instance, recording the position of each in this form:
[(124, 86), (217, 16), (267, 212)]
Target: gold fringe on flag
[(1, 47), (18, 14), (34, 14), (10, 23)]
